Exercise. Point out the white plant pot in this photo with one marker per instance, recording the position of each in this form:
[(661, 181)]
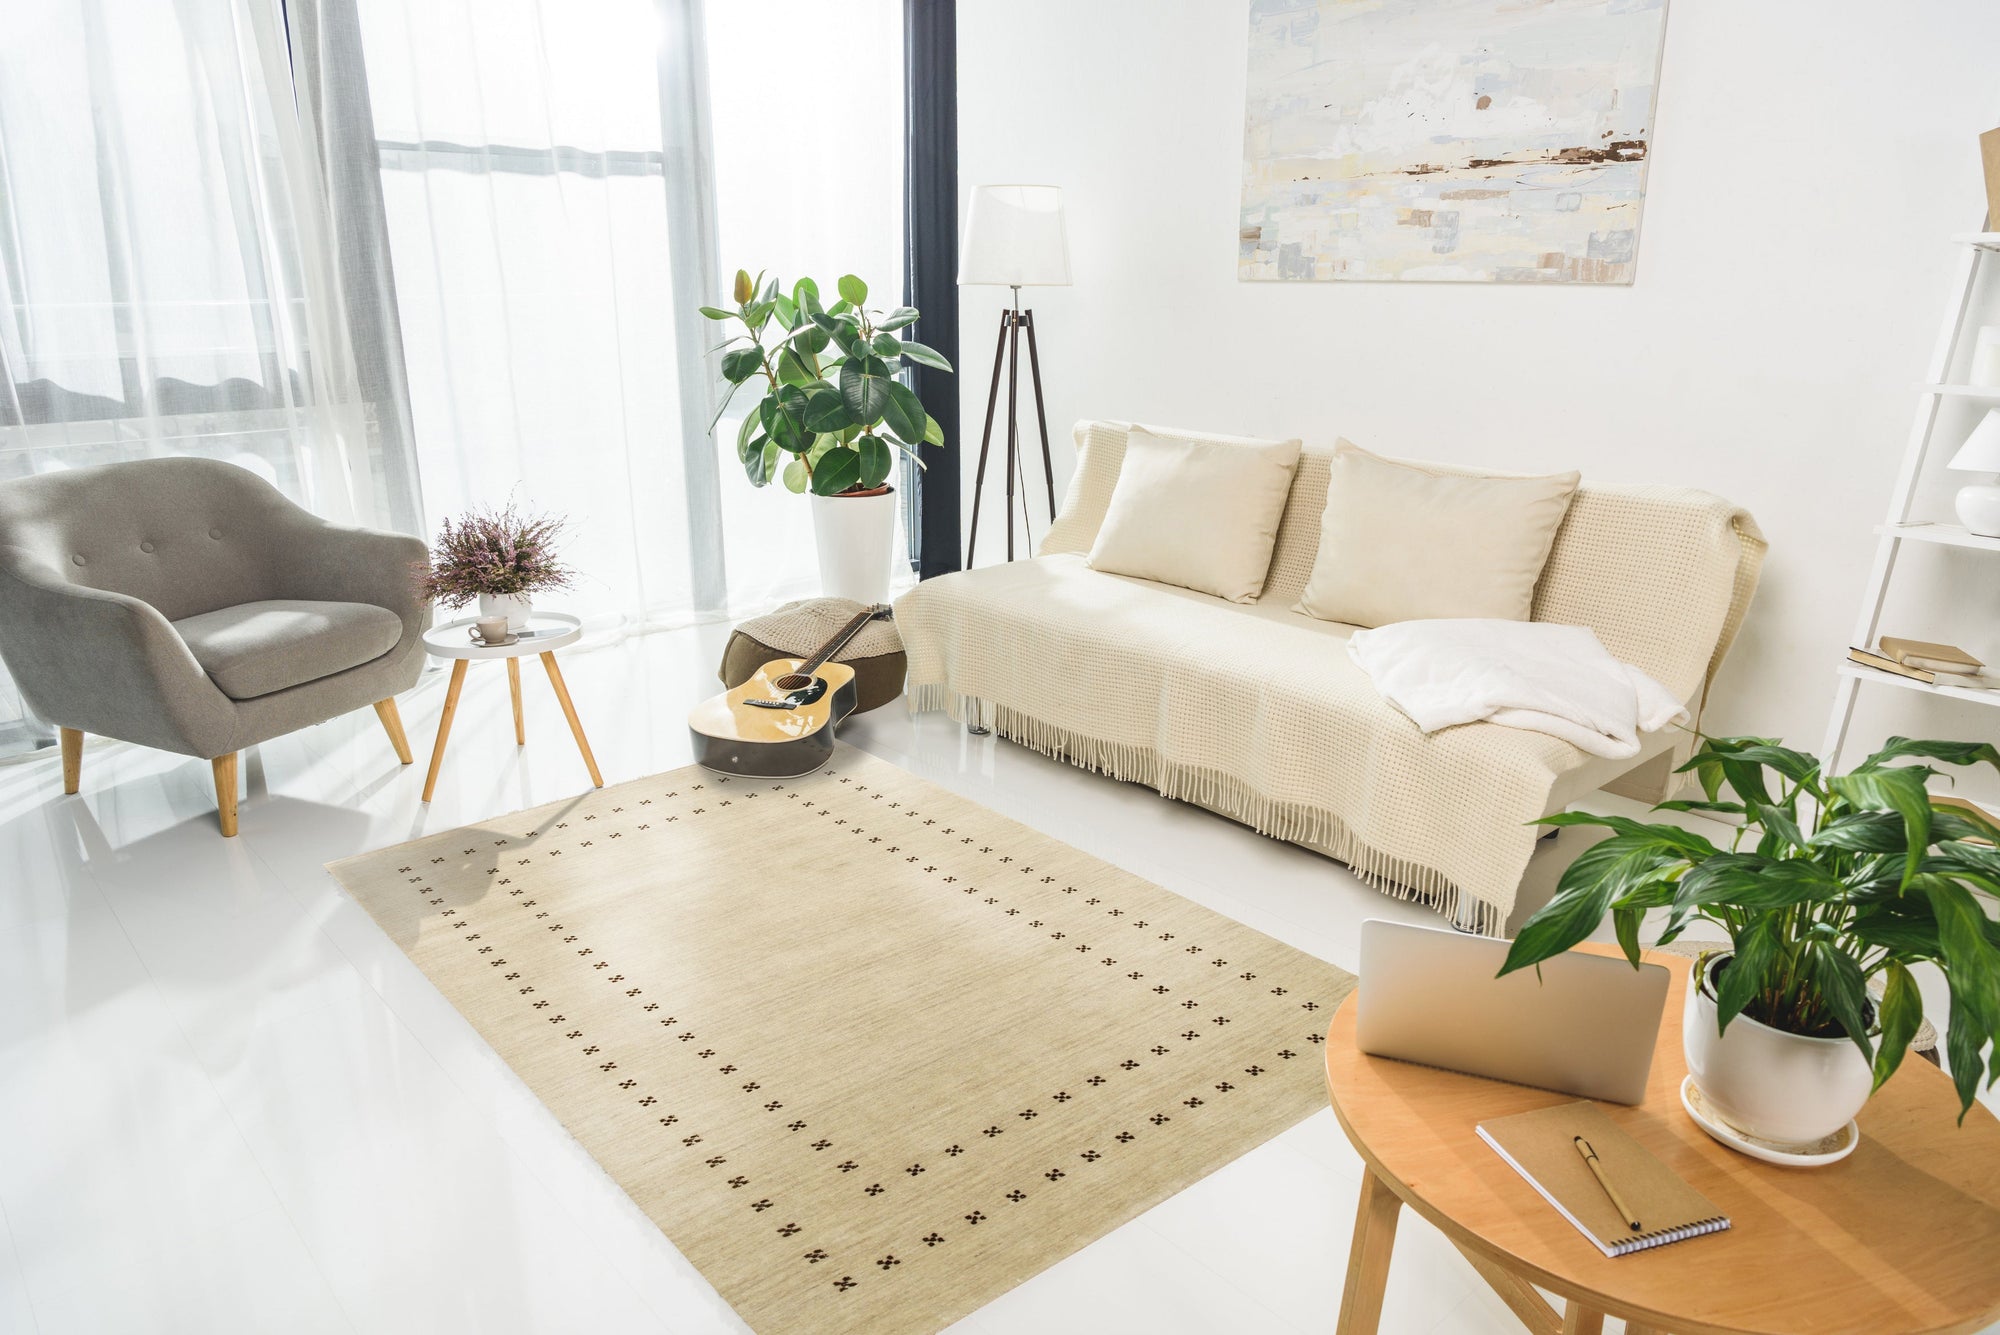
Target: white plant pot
[(1764, 1081), (516, 607), (854, 534)]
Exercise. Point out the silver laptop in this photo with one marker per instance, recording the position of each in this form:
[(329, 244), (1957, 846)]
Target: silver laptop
[(1587, 1026)]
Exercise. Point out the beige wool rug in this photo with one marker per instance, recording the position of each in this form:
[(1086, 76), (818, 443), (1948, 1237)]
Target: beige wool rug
[(868, 1053)]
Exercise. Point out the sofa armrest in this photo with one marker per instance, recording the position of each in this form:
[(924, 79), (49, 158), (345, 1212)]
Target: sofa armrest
[(105, 663)]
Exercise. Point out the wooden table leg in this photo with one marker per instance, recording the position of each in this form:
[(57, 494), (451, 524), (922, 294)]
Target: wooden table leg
[(569, 712), (1631, 1329), (514, 685), (444, 724), (72, 752), (225, 792), (1368, 1258), (392, 723), (1580, 1320), (1521, 1297)]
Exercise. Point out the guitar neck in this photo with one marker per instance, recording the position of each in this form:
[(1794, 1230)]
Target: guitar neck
[(838, 642)]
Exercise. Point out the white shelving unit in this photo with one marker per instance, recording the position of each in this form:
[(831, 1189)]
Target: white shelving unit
[(1899, 527)]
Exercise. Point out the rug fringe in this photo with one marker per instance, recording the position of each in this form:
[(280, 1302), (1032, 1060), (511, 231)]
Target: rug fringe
[(1292, 822)]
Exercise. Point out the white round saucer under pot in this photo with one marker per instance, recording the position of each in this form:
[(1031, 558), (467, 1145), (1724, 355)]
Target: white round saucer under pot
[(1832, 1149)]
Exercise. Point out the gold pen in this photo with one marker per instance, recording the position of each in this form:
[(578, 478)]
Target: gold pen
[(1597, 1171)]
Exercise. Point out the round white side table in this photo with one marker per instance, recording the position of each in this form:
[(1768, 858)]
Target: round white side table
[(545, 633)]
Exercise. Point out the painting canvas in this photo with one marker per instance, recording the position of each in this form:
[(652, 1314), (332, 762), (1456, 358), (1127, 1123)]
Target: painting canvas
[(1448, 140)]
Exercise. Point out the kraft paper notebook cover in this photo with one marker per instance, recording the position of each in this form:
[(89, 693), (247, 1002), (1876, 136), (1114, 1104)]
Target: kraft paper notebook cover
[(1541, 1147)]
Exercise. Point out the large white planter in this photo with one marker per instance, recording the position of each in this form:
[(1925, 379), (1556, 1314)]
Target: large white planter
[(516, 607), (854, 534), (1771, 1084)]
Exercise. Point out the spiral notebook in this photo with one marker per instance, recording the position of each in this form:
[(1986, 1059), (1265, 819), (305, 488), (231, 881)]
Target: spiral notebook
[(1541, 1147)]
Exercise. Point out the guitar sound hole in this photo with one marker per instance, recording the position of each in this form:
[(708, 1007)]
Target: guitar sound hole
[(793, 681)]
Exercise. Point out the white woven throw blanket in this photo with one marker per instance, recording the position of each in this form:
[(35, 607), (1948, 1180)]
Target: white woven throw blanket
[(1520, 674)]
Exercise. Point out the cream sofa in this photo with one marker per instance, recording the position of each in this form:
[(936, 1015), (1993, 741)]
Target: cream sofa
[(1256, 711)]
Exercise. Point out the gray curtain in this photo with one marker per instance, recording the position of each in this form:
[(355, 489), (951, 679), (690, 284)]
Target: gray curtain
[(331, 83)]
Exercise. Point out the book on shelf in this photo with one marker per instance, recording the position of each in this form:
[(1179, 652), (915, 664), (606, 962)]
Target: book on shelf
[(1933, 657), (1543, 1147), (1884, 663)]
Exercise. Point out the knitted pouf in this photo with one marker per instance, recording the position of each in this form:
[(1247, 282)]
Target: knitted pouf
[(797, 629)]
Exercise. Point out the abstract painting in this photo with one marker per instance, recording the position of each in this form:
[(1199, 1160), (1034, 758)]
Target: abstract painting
[(1477, 141)]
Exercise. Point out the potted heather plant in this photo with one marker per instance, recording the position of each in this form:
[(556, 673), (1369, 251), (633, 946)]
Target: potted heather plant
[(828, 425), (1833, 887), (500, 557)]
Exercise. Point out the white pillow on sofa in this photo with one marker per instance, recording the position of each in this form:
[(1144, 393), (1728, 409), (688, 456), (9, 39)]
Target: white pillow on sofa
[(1201, 514), (1403, 541)]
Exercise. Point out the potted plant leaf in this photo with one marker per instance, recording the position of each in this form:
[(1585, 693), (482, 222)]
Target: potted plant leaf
[(1831, 890), (830, 414)]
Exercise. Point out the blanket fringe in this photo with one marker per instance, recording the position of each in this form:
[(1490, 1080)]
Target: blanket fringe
[(1292, 822)]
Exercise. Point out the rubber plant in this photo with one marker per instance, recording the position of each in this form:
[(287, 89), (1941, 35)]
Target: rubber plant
[(825, 424), (1830, 883)]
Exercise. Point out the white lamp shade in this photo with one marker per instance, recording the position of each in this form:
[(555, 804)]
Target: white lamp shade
[(1014, 236), (1981, 451)]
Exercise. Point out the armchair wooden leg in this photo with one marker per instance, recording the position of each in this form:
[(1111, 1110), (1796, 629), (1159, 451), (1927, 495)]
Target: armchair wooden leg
[(392, 723), (72, 753), (225, 792)]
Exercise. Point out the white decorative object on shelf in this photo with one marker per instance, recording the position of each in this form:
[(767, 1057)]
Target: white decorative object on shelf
[(1986, 357), (1979, 502)]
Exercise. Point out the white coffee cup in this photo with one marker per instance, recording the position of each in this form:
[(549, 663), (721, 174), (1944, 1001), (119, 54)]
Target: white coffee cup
[(490, 630)]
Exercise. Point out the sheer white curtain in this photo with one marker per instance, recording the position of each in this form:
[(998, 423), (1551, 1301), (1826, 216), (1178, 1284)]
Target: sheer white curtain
[(529, 197), (814, 189), (165, 281), (564, 182)]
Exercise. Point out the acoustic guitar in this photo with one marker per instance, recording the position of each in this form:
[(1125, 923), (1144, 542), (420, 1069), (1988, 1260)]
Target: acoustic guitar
[(780, 723)]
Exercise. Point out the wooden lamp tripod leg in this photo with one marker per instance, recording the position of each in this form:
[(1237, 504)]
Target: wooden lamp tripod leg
[(986, 437), (1013, 415), (1041, 413)]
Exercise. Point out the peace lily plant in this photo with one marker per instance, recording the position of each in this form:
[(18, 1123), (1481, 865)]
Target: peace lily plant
[(1831, 884), (828, 425)]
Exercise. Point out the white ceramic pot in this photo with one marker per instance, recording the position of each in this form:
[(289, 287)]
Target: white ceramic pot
[(516, 607), (854, 534), (1771, 1084)]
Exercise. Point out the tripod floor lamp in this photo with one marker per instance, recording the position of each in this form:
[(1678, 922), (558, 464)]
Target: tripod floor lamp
[(1014, 237)]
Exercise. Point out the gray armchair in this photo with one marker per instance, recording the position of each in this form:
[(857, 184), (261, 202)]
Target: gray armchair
[(185, 604)]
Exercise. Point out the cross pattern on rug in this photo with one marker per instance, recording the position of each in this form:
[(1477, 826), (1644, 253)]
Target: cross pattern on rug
[(868, 1053)]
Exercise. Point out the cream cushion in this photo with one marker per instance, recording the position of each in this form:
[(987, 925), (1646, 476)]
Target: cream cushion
[(1402, 541), (1198, 513)]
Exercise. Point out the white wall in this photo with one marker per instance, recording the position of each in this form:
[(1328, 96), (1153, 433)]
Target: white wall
[(1810, 158)]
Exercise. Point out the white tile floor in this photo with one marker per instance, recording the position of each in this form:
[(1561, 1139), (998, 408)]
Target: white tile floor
[(228, 1103)]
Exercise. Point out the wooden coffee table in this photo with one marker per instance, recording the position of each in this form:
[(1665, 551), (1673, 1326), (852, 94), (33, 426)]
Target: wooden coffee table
[(1901, 1236)]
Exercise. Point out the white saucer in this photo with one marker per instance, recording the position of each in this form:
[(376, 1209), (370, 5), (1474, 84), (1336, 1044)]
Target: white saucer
[(1830, 1150)]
